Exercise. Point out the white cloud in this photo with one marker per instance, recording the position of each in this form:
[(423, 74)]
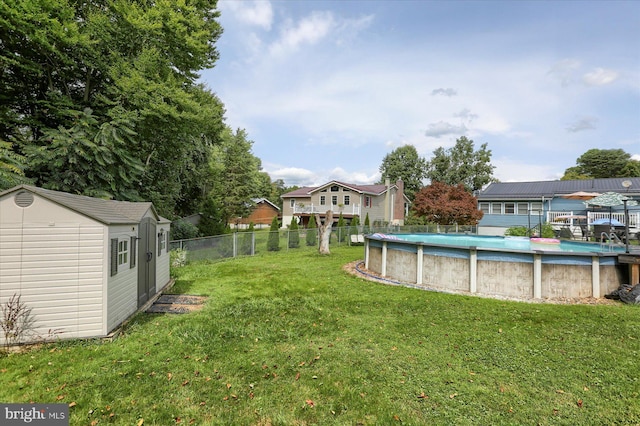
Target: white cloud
[(256, 13), (444, 92), (308, 30), (564, 71), (584, 123), (441, 128), (358, 178), (600, 77), (294, 176)]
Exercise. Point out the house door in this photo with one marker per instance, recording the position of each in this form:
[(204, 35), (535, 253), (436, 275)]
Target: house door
[(146, 260)]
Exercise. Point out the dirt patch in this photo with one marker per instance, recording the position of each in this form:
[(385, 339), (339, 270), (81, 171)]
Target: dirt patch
[(357, 269)]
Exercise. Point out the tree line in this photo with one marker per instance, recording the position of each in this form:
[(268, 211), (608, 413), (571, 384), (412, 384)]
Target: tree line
[(456, 173), (101, 98)]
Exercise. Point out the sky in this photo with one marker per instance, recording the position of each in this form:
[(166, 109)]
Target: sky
[(326, 89)]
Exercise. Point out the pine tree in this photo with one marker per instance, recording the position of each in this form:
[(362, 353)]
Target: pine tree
[(312, 233), (273, 243), (341, 231), (366, 228), (294, 235)]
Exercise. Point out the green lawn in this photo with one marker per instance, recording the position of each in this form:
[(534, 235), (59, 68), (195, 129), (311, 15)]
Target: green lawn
[(289, 338)]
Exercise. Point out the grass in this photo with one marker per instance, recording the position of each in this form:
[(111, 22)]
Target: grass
[(289, 338)]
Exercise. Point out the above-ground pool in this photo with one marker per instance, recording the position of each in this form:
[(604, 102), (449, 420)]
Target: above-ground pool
[(510, 267)]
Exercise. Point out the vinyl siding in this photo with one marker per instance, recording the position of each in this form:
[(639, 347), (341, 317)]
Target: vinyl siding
[(57, 270), (122, 288), (163, 262)]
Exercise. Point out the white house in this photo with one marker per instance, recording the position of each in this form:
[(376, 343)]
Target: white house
[(83, 265)]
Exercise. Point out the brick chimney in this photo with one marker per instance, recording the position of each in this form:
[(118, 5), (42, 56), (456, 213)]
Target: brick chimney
[(398, 207)]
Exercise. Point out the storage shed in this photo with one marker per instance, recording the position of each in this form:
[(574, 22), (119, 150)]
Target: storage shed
[(83, 265)]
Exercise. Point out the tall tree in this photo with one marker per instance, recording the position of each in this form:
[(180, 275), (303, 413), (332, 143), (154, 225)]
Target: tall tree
[(11, 167), (461, 164), (128, 61), (237, 177), (312, 232), (404, 163), (447, 205), (603, 163)]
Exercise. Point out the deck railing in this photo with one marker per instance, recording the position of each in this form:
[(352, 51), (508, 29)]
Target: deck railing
[(350, 209)]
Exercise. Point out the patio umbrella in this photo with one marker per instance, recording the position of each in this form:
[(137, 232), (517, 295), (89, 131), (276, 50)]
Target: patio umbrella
[(581, 195), (611, 199)]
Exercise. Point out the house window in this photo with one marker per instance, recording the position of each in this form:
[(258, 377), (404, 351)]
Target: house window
[(335, 188), (536, 208), (346, 200), (123, 252), (292, 203), (496, 208), (334, 200), (484, 208), (523, 208), (162, 242), (323, 200), (367, 201), (509, 208)]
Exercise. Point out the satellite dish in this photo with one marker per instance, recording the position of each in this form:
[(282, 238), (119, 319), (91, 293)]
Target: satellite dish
[(626, 183)]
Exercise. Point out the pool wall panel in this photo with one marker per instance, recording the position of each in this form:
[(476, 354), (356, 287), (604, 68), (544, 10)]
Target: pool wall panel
[(502, 274)]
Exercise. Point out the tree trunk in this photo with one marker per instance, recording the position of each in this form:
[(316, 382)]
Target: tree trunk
[(324, 229)]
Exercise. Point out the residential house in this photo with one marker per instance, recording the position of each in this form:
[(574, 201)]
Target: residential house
[(384, 203), (261, 215), (82, 265), (531, 204)]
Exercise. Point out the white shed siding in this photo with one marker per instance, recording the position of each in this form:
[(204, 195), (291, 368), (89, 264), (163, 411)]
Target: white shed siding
[(55, 274), (122, 288), (163, 262)]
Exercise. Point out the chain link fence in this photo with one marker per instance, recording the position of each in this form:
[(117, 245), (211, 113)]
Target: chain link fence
[(244, 243)]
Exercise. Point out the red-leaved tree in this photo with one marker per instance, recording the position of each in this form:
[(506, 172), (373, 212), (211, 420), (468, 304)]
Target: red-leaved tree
[(447, 205)]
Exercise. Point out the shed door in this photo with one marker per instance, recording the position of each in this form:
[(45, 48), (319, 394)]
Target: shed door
[(146, 260)]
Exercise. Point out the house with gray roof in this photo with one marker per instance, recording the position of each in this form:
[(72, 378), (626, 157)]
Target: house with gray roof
[(384, 203), (531, 204), (83, 265)]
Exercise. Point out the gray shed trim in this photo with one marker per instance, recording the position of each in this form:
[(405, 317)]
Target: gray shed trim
[(108, 212)]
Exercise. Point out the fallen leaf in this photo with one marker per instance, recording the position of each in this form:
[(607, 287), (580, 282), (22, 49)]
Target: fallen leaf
[(297, 376), (453, 395), (169, 376), (228, 385), (579, 403), (185, 383), (310, 403), (140, 422), (59, 397), (422, 396), (559, 391), (72, 404), (94, 422)]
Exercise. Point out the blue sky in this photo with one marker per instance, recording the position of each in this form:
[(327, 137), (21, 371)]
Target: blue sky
[(326, 89)]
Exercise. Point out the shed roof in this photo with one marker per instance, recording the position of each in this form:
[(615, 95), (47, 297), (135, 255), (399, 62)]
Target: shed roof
[(531, 190), (105, 211)]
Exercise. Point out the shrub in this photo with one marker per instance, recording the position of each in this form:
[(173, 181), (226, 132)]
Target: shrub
[(273, 243), (183, 230), (294, 235), (312, 233)]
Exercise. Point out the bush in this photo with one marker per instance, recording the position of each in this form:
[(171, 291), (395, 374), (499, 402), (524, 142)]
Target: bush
[(294, 235), (273, 243), (183, 230), (312, 233)]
